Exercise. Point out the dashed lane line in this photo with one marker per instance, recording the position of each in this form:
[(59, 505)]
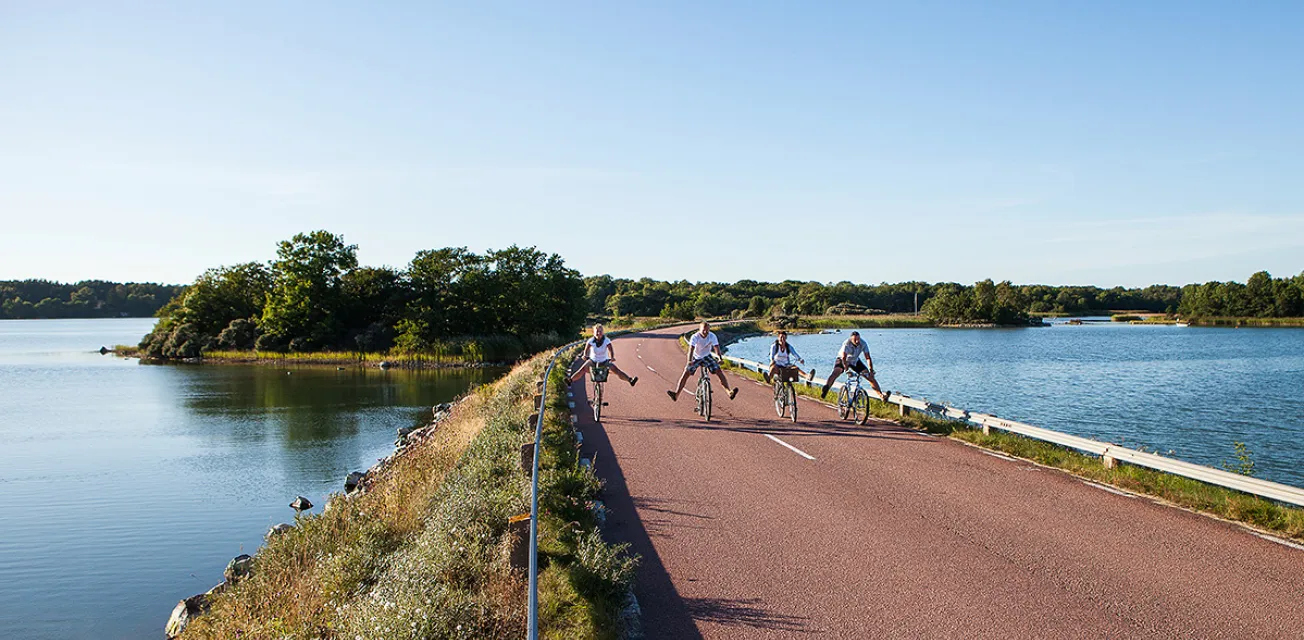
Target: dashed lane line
[(794, 449)]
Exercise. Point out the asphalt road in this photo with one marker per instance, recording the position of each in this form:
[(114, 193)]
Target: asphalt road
[(883, 532)]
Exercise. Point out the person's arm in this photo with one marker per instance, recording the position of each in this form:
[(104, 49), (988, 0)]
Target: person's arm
[(585, 355), (792, 354), (715, 346), (691, 349), (611, 351), (774, 351)]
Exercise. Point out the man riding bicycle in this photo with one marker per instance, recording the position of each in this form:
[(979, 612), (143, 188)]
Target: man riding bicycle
[(598, 351), (782, 356), (849, 358), (700, 347)]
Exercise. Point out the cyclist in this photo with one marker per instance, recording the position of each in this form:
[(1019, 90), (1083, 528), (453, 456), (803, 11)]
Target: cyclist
[(781, 357), (598, 351), (700, 347), (849, 358)]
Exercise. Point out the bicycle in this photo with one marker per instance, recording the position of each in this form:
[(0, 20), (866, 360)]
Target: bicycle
[(598, 374), (785, 395), (853, 402), (703, 393)]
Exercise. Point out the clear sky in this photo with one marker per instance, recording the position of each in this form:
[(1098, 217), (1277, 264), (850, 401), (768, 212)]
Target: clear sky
[(1064, 143)]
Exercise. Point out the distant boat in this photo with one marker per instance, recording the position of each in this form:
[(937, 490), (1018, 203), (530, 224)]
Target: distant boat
[(1074, 321), (1181, 324)]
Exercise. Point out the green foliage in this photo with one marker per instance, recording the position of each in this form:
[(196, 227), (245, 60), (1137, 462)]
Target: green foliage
[(449, 303), (30, 299), (1244, 463), (1262, 296)]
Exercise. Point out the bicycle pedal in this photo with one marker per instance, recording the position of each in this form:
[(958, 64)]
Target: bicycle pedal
[(605, 403)]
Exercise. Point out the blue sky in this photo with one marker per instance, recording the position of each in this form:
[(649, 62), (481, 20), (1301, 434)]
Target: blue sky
[(1092, 143)]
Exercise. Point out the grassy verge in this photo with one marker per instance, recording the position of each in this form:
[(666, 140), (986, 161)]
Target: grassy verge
[(887, 321), (447, 353), (1247, 322), (1191, 494), (424, 552)]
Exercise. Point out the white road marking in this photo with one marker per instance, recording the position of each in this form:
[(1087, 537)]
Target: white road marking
[(1109, 489), (1279, 541), (995, 455), (651, 369), (795, 449)]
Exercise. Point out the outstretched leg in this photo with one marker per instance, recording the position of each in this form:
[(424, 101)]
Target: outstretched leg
[(674, 395), (621, 374), (837, 371), (580, 373), (719, 373)]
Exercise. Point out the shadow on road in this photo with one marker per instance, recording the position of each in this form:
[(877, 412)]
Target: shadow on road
[(664, 612), (744, 613)]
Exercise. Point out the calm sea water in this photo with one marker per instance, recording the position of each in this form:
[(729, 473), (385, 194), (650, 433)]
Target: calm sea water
[(126, 487), (1188, 390)]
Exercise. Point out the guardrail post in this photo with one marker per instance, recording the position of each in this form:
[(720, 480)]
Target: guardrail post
[(905, 411), (1109, 461), (527, 459), (987, 431)]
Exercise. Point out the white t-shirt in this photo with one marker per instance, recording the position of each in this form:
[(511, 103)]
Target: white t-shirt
[(599, 352), (701, 347)]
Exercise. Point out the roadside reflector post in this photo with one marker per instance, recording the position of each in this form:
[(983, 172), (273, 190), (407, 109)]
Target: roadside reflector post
[(1109, 461), (987, 431), (518, 527), (527, 459)]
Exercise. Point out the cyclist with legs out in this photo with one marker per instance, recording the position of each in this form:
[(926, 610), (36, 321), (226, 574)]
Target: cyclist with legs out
[(849, 358), (782, 356), (600, 352), (700, 347)]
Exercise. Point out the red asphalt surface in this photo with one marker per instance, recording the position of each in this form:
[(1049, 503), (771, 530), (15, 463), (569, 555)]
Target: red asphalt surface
[(890, 533)]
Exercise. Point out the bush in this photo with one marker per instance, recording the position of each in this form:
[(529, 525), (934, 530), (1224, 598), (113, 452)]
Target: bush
[(269, 342), (240, 334)]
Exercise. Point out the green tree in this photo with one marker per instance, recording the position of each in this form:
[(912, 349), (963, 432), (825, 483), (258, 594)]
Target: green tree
[(305, 296)]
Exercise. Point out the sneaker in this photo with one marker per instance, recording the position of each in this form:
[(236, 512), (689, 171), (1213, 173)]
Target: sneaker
[(733, 393), (673, 396), (633, 381), (812, 375), (767, 376), (824, 394), (886, 395)]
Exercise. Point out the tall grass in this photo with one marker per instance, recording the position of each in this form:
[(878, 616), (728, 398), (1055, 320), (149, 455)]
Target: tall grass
[(424, 553), (464, 350)]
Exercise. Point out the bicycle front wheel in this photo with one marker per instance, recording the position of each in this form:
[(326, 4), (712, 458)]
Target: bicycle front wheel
[(704, 398), (844, 403), (792, 401), (597, 402), (860, 408), (780, 399)]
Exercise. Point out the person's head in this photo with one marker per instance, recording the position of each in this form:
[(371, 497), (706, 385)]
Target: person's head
[(783, 337), (598, 330), (706, 328), (855, 337)]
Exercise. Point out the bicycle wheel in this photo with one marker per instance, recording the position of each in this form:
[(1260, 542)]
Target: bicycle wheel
[(860, 408), (844, 403), (792, 400), (704, 397), (597, 401), (780, 399)]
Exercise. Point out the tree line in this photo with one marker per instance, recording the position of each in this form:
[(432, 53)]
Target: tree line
[(947, 302), (1262, 296), (316, 297), (44, 299)]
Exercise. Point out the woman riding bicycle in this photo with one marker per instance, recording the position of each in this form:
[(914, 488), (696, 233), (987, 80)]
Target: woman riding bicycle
[(598, 351), (782, 356)]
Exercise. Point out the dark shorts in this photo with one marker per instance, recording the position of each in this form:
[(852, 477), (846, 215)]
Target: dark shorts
[(708, 362), (858, 367), (789, 373)]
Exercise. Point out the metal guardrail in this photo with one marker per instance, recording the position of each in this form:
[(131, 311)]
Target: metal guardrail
[(1110, 454), (532, 617)]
